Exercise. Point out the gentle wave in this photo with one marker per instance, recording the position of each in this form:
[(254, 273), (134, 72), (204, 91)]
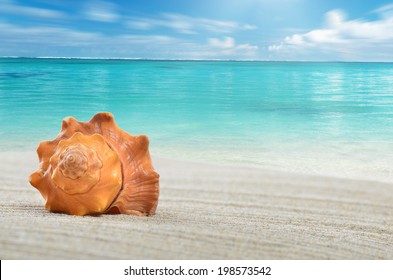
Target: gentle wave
[(325, 118)]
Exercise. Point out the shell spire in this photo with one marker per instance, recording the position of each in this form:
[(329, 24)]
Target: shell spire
[(95, 167)]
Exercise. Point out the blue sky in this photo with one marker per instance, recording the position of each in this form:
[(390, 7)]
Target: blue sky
[(345, 30)]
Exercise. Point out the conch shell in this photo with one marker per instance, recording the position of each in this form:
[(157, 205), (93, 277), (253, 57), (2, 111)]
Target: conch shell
[(95, 167)]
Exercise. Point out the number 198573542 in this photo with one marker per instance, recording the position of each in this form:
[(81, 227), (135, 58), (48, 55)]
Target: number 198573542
[(244, 270)]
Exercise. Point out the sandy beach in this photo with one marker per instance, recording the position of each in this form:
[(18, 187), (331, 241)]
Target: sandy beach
[(206, 212)]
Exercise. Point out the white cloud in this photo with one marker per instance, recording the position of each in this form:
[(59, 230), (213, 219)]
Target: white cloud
[(275, 47), (227, 47), (11, 34), (186, 24), (37, 36), (145, 39), (386, 10), (227, 42), (334, 18), (172, 21), (248, 48), (344, 39), (11, 7), (101, 11), (18, 40)]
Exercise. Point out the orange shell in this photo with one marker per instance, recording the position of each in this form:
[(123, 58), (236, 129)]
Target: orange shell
[(95, 167)]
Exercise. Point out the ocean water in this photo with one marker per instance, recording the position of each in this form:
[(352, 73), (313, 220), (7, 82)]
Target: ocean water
[(319, 118)]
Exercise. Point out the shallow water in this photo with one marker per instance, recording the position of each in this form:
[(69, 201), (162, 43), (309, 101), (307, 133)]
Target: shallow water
[(320, 118)]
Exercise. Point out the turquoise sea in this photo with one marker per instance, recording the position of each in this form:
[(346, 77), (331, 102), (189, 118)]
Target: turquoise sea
[(320, 118)]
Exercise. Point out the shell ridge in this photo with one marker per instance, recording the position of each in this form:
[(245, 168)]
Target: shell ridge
[(120, 191)]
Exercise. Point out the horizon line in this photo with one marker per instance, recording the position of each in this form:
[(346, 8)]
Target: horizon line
[(187, 59)]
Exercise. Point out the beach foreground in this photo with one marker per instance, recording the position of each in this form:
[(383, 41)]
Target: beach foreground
[(206, 212)]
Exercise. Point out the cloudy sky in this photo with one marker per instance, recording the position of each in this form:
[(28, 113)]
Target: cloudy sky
[(348, 30)]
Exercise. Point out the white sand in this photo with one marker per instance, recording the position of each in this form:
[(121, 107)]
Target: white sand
[(206, 212)]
